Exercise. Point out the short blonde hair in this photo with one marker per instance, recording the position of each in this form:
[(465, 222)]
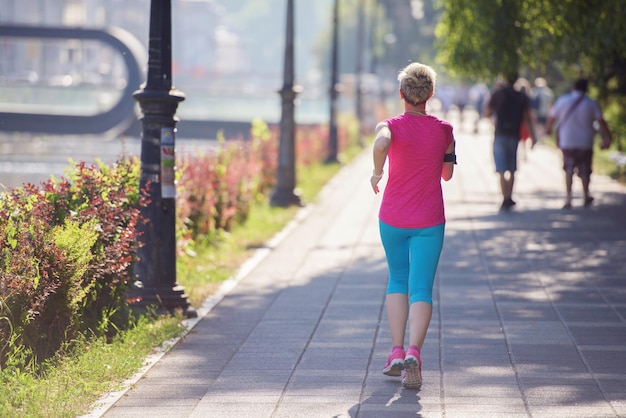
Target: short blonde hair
[(417, 82)]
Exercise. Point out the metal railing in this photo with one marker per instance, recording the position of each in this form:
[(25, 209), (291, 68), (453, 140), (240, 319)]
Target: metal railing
[(50, 116)]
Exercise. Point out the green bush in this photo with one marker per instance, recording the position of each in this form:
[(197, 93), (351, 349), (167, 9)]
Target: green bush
[(67, 250)]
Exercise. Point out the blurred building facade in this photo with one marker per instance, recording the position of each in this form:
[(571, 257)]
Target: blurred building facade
[(229, 68), (203, 42), (85, 77)]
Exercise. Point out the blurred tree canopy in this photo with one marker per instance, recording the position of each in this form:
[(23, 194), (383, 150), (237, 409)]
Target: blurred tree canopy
[(484, 39), (490, 38)]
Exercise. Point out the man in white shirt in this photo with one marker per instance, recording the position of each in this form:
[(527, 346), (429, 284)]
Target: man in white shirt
[(576, 115)]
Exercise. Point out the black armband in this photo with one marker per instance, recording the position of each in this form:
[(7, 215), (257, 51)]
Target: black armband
[(449, 158)]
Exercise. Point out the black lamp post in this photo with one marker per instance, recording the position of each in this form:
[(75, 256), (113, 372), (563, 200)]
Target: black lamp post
[(359, 70), (284, 193), (333, 143), (155, 270)]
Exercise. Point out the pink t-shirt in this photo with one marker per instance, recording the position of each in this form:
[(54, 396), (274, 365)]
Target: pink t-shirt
[(413, 196)]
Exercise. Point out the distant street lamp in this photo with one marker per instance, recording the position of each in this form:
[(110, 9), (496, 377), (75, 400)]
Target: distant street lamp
[(359, 70), (333, 143), (155, 270), (284, 193)]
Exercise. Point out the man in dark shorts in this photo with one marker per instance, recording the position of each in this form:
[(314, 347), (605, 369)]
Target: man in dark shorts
[(510, 108), (576, 114)]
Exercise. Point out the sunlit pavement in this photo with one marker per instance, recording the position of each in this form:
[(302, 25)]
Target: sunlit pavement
[(529, 310)]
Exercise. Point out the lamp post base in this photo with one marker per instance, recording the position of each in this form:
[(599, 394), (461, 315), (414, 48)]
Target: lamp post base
[(333, 159), (164, 300), (285, 197)]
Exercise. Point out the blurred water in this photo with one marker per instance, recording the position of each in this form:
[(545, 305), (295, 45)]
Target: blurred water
[(34, 158), (199, 104), (30, 157)]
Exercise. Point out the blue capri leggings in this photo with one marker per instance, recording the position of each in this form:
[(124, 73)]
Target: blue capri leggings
[(412, 258)]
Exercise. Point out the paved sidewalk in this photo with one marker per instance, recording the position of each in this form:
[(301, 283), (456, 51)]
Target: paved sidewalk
[(529, 311)]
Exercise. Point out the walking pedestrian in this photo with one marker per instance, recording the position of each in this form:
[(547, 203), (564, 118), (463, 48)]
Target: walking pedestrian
[(510, 108), (542, 97), (576, 114), (420, 151), (461, 100), (523, 86), (479, 94)]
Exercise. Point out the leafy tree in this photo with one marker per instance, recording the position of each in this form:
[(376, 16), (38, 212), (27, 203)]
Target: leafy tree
[(484, 39), (488, 38), (480, 38)]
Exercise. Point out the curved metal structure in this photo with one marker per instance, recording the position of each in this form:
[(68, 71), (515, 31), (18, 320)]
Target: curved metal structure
[(120, 116)]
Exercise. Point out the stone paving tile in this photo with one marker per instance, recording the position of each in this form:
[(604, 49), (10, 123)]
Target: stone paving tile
[(206, 409), (606, 360), (568, 411), (470, 407), (543, 333), (590, 313), (608, 334), (343, 377), (483, 413), (347, 362), (475, 393), (324, 390), (180, 378), (155, 412), (313, 410), (560, 358), (276, 360), (399, 411), (165, 395), (257, 386), (614, 386), (565, 395), (527, 312)]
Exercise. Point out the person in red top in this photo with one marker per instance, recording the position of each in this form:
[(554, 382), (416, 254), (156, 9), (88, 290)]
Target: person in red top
[(420, 152)]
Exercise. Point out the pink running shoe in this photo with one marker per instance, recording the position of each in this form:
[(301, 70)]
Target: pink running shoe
[(412, 369), (395, 363)]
